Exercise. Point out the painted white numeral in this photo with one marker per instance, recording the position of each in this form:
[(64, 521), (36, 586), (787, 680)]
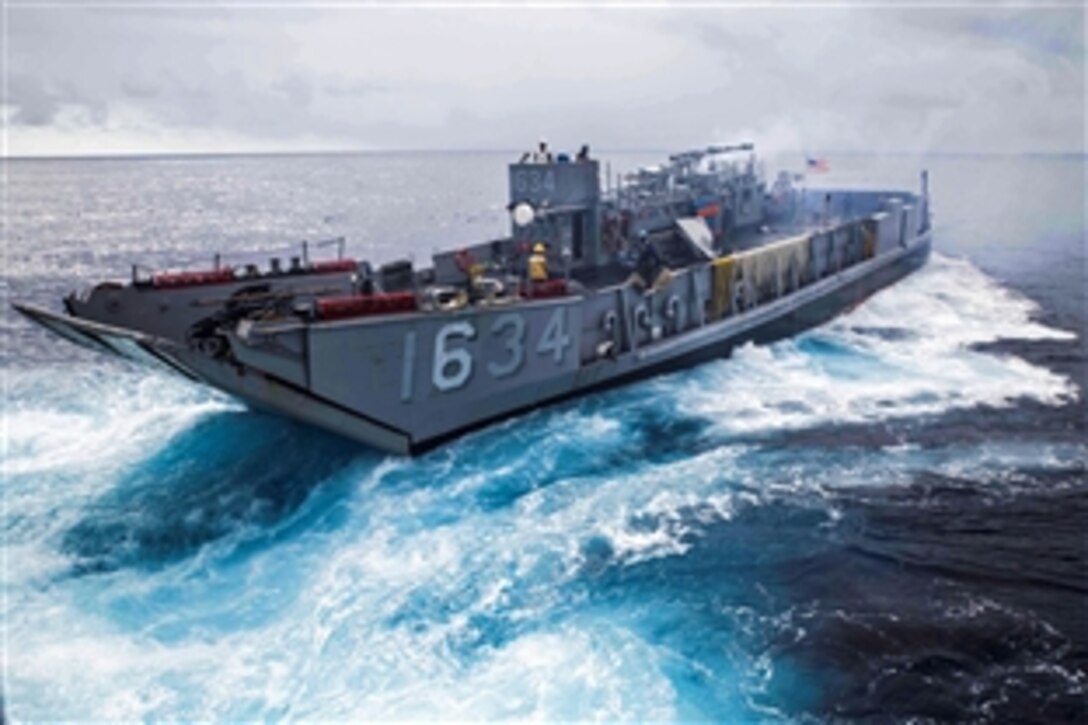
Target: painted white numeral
[(534, 182), (452, 368), (555, 338), (515, 344)]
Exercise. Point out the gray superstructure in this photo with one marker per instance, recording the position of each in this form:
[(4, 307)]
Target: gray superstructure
[(673, 265)]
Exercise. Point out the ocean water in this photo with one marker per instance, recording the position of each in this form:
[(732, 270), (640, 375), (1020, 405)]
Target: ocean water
[(883, 517)]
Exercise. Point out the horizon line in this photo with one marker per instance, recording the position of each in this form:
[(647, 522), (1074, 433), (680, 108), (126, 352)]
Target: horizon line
[(152, 155)]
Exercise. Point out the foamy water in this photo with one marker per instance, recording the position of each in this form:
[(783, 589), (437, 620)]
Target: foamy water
[(460, 585)]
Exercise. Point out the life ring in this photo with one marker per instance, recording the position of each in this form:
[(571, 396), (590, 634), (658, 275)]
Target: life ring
[(642, 318), (736, 285), (673, 312), (740, 296), (608, 322)]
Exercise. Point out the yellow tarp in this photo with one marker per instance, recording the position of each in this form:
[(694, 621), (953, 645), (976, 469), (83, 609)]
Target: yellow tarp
[(766, 271), (723, 286), (868, 231)]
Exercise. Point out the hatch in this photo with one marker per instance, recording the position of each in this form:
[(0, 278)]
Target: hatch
[(697, 234)]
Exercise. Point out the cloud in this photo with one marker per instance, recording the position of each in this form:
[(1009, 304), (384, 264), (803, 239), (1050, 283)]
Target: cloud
[(139, 88), (33, 104), (41, 103), (282, 78)]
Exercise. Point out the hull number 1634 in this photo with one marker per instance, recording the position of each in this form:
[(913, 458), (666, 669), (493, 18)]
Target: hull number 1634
[(453, 364)]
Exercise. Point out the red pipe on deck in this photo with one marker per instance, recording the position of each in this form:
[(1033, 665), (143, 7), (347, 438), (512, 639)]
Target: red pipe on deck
[(170, 280), (197, 278), (334, 265), (342, 308), (546, 290)]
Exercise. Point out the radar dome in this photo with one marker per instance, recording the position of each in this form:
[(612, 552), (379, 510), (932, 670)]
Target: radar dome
[(523, 214)]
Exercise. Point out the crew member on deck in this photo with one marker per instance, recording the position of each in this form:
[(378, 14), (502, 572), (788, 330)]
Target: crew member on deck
[(649, 266), (538, 264), (542, 155)]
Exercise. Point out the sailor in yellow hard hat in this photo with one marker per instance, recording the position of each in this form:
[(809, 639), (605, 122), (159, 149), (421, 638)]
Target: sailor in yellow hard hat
[(538, 264)]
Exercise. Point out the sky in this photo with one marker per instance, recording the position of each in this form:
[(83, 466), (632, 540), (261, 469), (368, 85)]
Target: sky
[(180, 77)]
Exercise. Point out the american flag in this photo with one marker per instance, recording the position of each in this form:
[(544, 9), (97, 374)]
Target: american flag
[(819, 165)]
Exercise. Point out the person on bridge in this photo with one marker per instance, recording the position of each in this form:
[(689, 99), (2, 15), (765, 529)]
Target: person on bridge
[(542, 155), (538, 264)]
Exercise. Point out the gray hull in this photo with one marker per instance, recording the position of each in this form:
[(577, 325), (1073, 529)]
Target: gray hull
[(383, 367), (682, 263), (802, 314)]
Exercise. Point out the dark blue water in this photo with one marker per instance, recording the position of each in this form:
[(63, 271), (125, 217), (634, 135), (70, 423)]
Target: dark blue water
[(881, 518)]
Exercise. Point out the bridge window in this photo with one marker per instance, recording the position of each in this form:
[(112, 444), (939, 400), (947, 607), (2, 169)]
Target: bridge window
[(578, 234)]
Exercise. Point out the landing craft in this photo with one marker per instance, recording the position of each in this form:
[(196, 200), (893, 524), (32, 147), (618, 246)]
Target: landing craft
[(678, 264)]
